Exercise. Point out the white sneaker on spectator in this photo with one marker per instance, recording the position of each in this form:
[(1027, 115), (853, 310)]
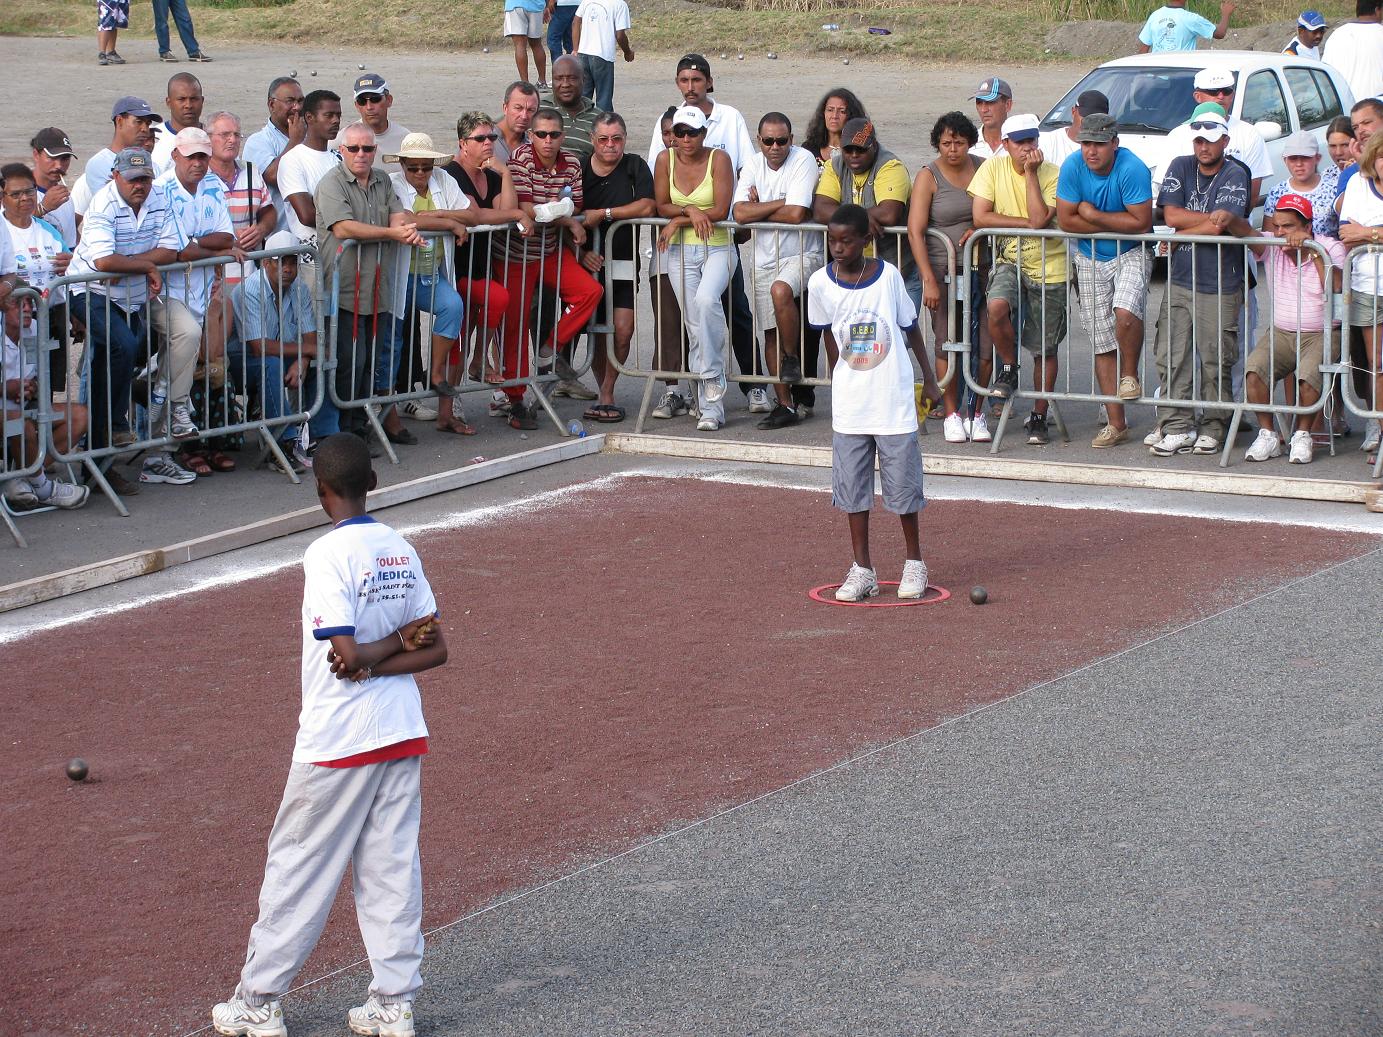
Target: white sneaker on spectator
[(1371, 437), (1174, 443), (20, 495), (1267, 444), (860, 583), (914, 582), (419, 410), (162, 468), (1206, 444), (978, 429), (181, 425), (499, 405), (708, 424), (66, 495), (380, 1020), (302, 455), (714, 388), (1303, 448), (759, 401), (953, 429), (1154, 437), (235, 1018), (672, 405)]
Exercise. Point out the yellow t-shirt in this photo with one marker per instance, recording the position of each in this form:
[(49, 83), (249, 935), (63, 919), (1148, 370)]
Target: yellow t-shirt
[(892, 184), (999, 183), (423, 261)]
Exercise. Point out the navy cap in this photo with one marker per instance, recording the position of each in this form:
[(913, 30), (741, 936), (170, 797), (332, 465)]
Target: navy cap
[(134, 106), (992, 89), (370, 83)]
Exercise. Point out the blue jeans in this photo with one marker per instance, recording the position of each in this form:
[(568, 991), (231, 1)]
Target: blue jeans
[(113, 340), (435, 295), (182, 18), (559, 30), (598, 81), (263, 376)]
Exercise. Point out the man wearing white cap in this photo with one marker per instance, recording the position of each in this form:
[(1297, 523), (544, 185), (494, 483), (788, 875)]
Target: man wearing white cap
[(1356, 50), (993, 102), (373, 99), (1306, 43), (1204, 193), (198, 226), (1017, 189), (1245, 142)]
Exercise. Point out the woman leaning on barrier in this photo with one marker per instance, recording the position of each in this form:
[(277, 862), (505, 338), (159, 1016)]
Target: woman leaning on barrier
[(1361, 229)]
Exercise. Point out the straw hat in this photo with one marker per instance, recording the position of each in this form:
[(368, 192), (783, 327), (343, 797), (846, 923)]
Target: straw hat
[(416, 145)]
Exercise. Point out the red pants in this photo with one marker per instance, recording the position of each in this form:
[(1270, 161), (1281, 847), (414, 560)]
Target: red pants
[(485, 302), (577, 292)]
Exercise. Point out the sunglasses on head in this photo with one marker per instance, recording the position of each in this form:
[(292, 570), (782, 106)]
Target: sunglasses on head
[(775, 142), (484, 138), (369, 99), (355, 149), (686, 131), (546, 134)]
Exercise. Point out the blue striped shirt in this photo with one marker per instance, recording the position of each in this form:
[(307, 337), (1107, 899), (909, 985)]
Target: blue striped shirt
[(113, 228)]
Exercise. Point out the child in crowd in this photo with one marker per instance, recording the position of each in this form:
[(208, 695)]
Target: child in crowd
[(353, 793), (864, 309), (1296, 340)]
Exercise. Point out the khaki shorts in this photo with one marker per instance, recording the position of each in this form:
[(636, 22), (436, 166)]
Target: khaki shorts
[(1365, 310), (793, 272), (1044, 312), (519, 22), (1276, 356)]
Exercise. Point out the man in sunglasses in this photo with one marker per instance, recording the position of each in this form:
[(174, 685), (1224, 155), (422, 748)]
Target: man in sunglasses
[(777, 188), (301, 169), (356, 200), (373, 100), (1245, 142)]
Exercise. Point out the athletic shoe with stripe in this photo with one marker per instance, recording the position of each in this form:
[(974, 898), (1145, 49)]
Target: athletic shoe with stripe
[(234, 1018), (376, 1019), (860, 583)]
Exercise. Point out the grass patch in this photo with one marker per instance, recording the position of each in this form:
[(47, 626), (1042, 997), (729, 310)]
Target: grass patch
[(927, 29)]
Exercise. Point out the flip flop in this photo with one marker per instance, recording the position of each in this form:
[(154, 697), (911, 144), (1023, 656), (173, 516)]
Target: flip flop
[(464, 429), (606, 413)]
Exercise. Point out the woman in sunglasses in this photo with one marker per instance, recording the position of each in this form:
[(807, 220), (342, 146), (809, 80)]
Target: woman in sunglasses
[(694, 187)]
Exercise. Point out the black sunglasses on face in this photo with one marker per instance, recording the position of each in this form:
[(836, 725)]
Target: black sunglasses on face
[(483, 138), (369, 99), (1219, 91), (546, 134), (355, 149), (775, 142), (854, 149), (686, 131)]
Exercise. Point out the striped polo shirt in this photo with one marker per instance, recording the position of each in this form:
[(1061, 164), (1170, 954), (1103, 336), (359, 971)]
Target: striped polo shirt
[(246, 197), (113, 228), (579, 127), (536, 185)]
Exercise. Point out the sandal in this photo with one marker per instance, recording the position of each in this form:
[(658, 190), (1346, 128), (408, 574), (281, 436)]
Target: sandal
[(457, 427), (607, 413), (195, 463), (220, 462)]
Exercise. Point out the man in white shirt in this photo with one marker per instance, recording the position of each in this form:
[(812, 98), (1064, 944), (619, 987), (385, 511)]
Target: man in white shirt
[(1245, 143), (134, 121), (1356, 50), (1306, 43), (993, 101), (1060, 144), (285, 129), (777, 186), (598, 28), (52, 157), (373, 101), (185, 103), (302, 168)]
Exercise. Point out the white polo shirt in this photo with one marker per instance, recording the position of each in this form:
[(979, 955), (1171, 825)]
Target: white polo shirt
[(111, 228), (601, 20), (725, 129)]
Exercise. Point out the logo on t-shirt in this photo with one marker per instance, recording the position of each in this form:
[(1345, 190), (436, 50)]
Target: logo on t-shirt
[(868, 345)]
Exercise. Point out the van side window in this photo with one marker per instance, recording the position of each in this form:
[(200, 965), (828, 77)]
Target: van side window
[(1263, 100)]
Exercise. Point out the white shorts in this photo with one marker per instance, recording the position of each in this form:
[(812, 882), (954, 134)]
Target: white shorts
[(519, 22), (794, 271), (1120, 282)]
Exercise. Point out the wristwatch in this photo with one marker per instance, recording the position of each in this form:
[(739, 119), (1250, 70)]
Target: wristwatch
[(608, 217)]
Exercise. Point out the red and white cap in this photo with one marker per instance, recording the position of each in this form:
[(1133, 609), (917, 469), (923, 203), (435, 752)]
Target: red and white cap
[(1297, 203)]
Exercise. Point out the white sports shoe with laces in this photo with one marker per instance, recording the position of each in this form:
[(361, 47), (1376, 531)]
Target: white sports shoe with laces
[(914, 582), (376, 1019), (1266, 445), (860, 583), (235, 1018)]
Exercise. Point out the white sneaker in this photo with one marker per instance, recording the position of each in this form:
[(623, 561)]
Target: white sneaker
[(1371, 437), (181, 426), (162, 468), (953, 429), (708, 425), (859, 583), (672, 405), (1303, 448), (759, 402), (1267, 444), (20, 495), (66, 495), (375, 1019), (714, 388), (978, 429), (419, 410), (499, 405), (1206, 445), (1154, 437), (235, 1018), (1174, 443), (914, 581)]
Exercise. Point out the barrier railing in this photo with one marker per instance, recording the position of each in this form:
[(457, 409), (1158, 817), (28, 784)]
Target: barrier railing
[(1201, 342), (1361, 339), (26, 394), (773, 251)]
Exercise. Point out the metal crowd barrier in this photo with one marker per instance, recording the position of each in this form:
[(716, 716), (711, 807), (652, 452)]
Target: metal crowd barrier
[(1222, 395), (21, 449), (128, 358), (1372, 371), (668, 345)]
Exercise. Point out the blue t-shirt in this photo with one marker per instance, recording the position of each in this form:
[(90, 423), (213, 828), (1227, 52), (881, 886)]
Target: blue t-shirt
[(1174, 28), (1129, 183)]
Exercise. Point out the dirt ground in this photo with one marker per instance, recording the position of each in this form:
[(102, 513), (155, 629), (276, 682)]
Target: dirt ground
[(67, 88)]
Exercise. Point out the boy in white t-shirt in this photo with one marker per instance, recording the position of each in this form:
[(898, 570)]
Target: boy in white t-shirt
[(353, 793), (863, 307)]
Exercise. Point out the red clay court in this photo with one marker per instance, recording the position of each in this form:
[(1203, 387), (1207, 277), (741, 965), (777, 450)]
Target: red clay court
[(640, 653)]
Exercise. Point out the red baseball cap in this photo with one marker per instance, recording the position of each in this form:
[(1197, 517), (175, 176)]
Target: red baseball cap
[(1299, 204)]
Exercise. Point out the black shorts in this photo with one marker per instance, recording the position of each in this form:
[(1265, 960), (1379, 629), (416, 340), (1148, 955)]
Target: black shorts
[(623, 294)]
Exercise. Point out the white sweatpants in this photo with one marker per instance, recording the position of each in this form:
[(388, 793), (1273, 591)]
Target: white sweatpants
[(700, 275), (330, 817)]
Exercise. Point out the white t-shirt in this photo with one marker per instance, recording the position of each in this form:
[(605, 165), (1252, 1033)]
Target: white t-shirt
[(1364, 206), (1356, 51), (725, 129), (793, 182), (364, 580), (1056, 145), (600, 20), (164, 139), (388, 143), (300, 171), (7, 257), (30, 253), (1245, 144), (192, 216), (871, 386)]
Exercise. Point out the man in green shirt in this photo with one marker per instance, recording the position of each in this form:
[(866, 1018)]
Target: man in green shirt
[(578, 112)]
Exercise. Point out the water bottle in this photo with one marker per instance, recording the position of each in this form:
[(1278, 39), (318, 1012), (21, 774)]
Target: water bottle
[(575, 428), (830, 27)]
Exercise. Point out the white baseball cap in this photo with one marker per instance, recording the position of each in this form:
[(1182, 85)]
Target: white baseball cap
[(1209, 126), (1020, 127), (1214, 79), (280, 239), (689, 115)]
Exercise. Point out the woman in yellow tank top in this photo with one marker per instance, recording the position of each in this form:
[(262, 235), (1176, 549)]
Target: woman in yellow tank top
[(694, 185)]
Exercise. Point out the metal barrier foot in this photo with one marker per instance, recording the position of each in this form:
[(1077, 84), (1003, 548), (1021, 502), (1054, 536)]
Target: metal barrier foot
[(648, 384), (19, 540), (95, 471), (381, 436), (1055, 412), (1003, 421), (271, 446), (1231, 437), (551, 413)]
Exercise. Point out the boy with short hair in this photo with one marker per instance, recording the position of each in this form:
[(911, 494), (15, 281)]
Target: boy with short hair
[(369, 624), (864, 309), (1172, 27)]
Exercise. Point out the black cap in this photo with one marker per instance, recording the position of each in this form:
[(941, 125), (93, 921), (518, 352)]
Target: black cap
[(53, 142), (696, 61), (1092, 102)]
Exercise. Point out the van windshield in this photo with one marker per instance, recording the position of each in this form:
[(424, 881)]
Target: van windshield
[(1143, 99)]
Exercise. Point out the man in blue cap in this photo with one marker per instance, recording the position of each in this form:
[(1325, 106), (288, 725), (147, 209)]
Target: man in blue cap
[(134, 128), (993, 101), (1310, 32)]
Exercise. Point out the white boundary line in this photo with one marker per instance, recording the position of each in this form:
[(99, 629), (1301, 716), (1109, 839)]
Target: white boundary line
[(842, 765)]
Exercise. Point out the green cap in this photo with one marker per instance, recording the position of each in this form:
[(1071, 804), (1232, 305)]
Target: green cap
[(1209, 108)]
